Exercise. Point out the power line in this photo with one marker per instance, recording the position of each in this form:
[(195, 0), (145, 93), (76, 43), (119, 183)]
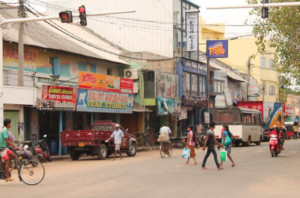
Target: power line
[(61, 29)]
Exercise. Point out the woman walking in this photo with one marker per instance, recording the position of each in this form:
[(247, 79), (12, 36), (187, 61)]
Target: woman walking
[(191, 145), (227, 134)]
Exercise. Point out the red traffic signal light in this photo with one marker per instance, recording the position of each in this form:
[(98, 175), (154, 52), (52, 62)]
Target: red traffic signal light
[(82, 15), (66, 16)]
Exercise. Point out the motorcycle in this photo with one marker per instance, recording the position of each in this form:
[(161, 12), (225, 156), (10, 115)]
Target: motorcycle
[(275, 146), (42, 150)]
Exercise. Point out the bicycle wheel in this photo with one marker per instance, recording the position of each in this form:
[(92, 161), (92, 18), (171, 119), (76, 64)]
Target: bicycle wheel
[(162, 150), (31, 172)]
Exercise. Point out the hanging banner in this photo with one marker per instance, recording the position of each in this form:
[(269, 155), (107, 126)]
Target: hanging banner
[(166, 85), (217, 48), (253, 90), (167, 106), (183, 114), (282, 95), (58, 98), (89, 80), (192, 31), (206, 117), (107, 102)]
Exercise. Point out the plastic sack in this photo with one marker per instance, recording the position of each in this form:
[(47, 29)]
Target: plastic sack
[(186, 153), (223, 156)]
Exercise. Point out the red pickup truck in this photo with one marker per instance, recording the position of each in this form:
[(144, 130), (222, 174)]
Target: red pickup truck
[(92, 141)]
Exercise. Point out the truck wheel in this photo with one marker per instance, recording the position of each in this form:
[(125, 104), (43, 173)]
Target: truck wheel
[(74, 155), (131, 151), (258, 143), (102, 152)]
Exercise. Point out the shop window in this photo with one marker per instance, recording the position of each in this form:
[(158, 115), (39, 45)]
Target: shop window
[(194, 84), (272, 90), (271, 64), (262, 62), (219, 86), (108, 72), (202, 86), (186, 83), (149, 87)]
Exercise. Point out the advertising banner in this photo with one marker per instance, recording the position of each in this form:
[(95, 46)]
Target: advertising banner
[(167, 106), (289, 110), (217, 48), (253, 90), (89, 80), (58, 98), (107, 102), (282, 95), (166, 85), (192, 31)]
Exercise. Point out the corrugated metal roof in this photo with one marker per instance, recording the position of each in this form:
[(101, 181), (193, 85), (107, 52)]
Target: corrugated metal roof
[(43, 35)]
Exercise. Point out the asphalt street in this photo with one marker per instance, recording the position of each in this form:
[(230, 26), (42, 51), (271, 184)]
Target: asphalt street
[(147, 175)]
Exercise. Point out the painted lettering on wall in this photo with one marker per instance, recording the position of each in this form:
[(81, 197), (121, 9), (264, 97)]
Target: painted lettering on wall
[(12, 52)]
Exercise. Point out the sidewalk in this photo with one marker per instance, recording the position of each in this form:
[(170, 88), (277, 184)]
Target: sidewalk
[(139, 149)]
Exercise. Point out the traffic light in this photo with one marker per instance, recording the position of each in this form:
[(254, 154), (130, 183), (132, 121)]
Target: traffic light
[(265, 10), (66, 16), (82, 15)]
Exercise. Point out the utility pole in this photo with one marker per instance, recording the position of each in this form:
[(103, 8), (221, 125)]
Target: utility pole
[(208, 84), (248, 77), (22, 14)]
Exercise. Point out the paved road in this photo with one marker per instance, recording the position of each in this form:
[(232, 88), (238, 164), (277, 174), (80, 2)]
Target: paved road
[(147, 175)]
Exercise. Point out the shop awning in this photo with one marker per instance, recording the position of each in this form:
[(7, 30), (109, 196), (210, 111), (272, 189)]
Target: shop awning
[(138, 108), (229, 73)]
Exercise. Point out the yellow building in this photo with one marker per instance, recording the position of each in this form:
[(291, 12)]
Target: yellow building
[(240, 50), (261, 67), (209, 32)]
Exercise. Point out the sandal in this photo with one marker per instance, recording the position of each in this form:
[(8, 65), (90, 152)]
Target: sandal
[(9, 179)]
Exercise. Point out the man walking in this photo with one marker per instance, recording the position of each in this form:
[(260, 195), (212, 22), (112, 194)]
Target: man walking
[(117, 135), (210, 144)]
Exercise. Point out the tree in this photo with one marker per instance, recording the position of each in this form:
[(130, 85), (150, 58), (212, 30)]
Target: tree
[(283, 30)]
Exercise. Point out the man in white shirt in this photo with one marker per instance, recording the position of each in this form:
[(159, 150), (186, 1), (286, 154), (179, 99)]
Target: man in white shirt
[(165, 129), (117, 135)]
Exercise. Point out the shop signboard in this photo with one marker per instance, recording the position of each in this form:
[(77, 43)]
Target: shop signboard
[(289, 110), (253, 90), (106, 102), (193, 66), (217, 48), (194, 101), (58, 98), (166, 85), (282, 95), (206, 117), (167, 106), (183, 114), (192, 18), (87, 80)]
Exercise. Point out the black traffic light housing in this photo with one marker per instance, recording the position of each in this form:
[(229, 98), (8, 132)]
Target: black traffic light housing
[(66, 16), (265, 10), (82, 15)]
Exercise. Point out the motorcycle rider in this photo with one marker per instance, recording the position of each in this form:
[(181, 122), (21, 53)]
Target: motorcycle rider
[(278, 133)]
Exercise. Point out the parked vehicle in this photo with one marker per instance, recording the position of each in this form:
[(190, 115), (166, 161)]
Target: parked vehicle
[(289, 130), (42, 150), (244, 124), (272, 113), (92, 141), (274, 145)]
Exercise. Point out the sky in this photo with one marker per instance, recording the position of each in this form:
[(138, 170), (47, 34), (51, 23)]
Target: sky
[(227, 16)]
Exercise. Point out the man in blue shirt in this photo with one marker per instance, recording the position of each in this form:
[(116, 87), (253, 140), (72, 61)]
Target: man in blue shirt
[(117, 135), (5, 153)]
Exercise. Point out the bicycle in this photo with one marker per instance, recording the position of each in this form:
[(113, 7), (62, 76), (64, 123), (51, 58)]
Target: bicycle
[(30, 172), (164, 149)]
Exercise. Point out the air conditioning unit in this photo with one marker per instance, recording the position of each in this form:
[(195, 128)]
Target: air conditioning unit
[(131, 73), (135, 87)]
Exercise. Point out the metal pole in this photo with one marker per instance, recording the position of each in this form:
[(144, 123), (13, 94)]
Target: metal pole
[(287, 4), (248, 78), (1, 75), (21, 45), (208, 84)]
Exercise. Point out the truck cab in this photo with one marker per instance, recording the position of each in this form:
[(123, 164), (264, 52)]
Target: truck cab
[(92, 141)]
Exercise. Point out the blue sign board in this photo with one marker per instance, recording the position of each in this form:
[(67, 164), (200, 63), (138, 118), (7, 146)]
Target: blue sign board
[(217, 48)]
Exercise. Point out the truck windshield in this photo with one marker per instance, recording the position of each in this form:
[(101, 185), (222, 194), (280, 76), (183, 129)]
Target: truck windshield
[(227, 117), (103, 127)]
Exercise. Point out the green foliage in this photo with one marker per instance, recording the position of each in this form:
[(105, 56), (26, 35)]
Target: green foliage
[(283, 29)]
